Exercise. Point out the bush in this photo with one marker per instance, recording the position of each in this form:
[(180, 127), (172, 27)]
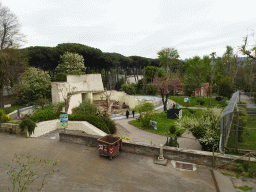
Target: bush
[(29, 124), (151, 89), (3, 117), (172, 142), (129, 89), (172, 129), (110, 124), (44, 115), (93, 119), (86, 107), (200, 101), (178, 133), (205, 126)]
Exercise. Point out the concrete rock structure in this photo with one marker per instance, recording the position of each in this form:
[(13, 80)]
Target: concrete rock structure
[(87, 86)]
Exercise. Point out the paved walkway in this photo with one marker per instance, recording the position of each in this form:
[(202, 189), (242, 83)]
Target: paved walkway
[(82, 169)]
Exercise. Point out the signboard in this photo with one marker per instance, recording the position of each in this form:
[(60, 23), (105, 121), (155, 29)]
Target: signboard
[(180, 113), (64, 120), (8, 105)]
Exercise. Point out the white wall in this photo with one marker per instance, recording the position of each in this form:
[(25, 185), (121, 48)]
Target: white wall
[(45, 127), (75, 101)]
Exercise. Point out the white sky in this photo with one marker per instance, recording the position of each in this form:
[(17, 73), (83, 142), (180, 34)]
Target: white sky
[(138, 27)]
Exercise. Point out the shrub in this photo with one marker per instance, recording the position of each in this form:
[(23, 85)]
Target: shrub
[(172, 141), (29, 124), (44, 115), (110, 124), (151, 89), (200, 101), (177, 133), (205, 126), (3, 117), (172, 129), (86, 107), (93, 119), (129, 88)]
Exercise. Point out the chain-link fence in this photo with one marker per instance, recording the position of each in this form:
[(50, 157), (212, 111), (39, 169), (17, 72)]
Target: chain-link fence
[(226, 120), (238, 123)]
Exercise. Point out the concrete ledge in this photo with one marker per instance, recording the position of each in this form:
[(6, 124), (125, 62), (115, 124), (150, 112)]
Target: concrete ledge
[(172, 153), (12, 129)]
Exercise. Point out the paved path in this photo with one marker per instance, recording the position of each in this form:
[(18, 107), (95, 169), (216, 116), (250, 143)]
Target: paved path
[(81, 169)]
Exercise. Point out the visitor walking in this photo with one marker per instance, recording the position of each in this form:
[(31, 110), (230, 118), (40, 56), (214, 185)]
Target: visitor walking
[(127, 114), (133, 113)]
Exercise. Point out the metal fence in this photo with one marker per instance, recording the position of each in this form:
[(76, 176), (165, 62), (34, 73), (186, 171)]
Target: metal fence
[(235, 131), (226, 120)]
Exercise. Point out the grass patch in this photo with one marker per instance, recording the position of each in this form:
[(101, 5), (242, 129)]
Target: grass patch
[(243, 188), (163, 124), (248, 135), (11, 109), (195, 102)]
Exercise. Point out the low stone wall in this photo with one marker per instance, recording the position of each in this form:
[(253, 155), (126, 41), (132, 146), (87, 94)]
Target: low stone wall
[(172, 153), (12, 129)]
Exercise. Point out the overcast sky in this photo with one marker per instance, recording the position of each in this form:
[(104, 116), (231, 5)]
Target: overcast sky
[(138, 27)]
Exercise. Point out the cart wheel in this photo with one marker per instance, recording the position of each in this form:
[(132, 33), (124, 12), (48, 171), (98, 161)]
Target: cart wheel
[(110, 158)]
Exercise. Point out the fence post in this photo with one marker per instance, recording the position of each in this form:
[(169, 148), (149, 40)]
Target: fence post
[(213, 157), (237, 124)]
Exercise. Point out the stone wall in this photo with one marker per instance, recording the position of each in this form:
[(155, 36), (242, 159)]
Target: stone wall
[(171, 153), (12, 129)]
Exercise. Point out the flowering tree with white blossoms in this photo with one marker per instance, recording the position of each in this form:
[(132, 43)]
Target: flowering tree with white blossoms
[(35, 86), (70, 64), (205, 126)]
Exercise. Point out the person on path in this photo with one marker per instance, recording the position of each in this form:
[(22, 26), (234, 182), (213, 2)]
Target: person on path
[(173, 105), (127, 114), (133, 113)]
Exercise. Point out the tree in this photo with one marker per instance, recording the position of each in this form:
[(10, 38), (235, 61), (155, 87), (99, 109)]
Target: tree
[(251, 53), (35, 86), (167, 59), (10, 36), (70, 64), (152, 72), (166, 85), (194, 76), (11, 61)]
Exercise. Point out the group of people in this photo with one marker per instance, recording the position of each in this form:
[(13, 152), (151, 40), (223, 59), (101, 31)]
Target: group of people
[(127, 113)]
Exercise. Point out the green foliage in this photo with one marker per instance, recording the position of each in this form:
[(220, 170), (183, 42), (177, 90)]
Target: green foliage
[(110, 124), (245, 168), (226, 86), (172, 129), (71, 64), (44, 115), (168, 58), (3, 117), (24, 171), (119, 84), (151, 89), (178, 133), (152, 72), (29, 124), (172, 142), (244, 188), (86, 107), (130, 89), (36, 84), (200, 101), (205, 126), (94, 120)]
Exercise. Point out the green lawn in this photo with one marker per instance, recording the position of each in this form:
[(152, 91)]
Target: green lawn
[(163, 124), (194, 102), (249, 136), (11, 109)]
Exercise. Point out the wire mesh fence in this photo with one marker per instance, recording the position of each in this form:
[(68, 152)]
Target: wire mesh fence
[(238, 123)]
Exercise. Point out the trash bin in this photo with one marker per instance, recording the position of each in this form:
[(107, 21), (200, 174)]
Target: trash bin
[(109, 146)]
